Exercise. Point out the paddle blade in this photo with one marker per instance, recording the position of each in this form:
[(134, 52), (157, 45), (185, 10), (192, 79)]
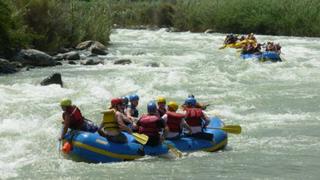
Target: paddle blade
[(141, 138), (222, 47), (174, 150), (234, 129)]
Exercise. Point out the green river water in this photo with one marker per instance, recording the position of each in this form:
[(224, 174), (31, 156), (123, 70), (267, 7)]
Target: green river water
[(277, 105)]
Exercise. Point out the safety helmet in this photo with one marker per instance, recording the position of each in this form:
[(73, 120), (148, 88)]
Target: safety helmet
[(65, 102), (190, 96), (125, 99), (161, 100), (134, 97), (151, 107), (173, 105), (116, 101), (190, 102)]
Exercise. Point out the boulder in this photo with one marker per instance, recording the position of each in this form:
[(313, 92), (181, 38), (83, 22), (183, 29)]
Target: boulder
[(84, 45), (152, 64), (208, 31), (72, 62), (7, 67), (34, 57), (123, 61), (98, 48), (91, 62), (73, 55), (17, 64), (52, 79)]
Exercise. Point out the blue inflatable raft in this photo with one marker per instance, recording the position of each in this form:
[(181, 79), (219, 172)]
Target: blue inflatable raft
[(93, 148), (264, 56)]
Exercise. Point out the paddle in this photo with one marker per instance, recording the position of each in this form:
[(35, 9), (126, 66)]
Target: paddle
[(141, 138), (222, 47), (234, 129), (174, 150)]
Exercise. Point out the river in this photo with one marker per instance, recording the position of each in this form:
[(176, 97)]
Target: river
[(277, 105)]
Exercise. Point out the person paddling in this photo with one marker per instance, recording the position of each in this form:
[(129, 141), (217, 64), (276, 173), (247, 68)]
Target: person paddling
[(161, 106), (151, 124), (73, 119), (175, 121), (132, 111), (114, 123), (194, 117)]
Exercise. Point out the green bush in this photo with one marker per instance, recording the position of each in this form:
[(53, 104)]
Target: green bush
[(275, 17), (51, 24)]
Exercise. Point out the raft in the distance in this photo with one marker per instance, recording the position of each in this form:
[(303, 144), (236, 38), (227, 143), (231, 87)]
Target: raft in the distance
[(264, 56), (93, 148)]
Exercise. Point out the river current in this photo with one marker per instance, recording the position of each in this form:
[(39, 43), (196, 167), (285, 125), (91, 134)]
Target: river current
[(277, 105)]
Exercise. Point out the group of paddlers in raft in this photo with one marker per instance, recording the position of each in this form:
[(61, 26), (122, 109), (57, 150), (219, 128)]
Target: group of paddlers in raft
[(248, 44), (161, 122)]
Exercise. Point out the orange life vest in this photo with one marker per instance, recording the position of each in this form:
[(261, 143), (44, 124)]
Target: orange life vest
[(148, 125), (174, 120), (194, 116), (76, 118)]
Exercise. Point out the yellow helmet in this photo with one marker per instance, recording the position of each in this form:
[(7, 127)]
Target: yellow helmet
[(173, 105), (161, 100), (65, 102)]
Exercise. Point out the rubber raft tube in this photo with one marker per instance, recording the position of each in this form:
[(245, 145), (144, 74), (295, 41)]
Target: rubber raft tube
[(264, 56), (93, 148)]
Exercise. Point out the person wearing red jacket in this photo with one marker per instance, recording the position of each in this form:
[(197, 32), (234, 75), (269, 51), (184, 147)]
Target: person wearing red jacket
[(175, 121), (151, 124), (73, 119)]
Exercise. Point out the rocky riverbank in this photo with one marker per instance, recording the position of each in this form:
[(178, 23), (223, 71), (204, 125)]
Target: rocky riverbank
[(85, 53)]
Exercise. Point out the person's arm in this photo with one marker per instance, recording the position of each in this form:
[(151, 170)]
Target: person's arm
[(100, 130), (128, 113), (205, 118), (66, 124), (121, 124), (184, 124), (162, 124), (126, 119)]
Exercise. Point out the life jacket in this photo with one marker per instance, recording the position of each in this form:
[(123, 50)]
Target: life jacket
[(194, 116), (148, 125), (174, 120), (109, 121), (134, 112), (162, 112), (76, 118)]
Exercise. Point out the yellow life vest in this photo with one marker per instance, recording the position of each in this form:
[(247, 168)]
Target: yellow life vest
[(109, 121)]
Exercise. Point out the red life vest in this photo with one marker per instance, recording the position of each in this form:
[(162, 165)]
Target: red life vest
[(193, 116), (148, 125), (76, 118), (174, 120)]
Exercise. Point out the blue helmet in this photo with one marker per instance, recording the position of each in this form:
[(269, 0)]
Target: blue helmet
[(152, 107), (125, 100), (190, 101), (134, 97), (190, 96)]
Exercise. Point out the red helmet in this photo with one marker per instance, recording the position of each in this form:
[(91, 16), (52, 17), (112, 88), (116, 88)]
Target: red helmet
[(116, 101)]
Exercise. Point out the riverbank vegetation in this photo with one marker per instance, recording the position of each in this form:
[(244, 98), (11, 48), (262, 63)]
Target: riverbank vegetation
[(52, 24), (273, 17)]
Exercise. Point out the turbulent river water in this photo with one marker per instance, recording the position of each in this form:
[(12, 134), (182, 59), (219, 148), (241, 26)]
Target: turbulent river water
[(277, 105)]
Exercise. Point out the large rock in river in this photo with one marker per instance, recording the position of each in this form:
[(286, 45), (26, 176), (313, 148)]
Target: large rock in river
[(7, 67), (52, 79), (123, 61), (94, 46), (73, 55), (34, 57)]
